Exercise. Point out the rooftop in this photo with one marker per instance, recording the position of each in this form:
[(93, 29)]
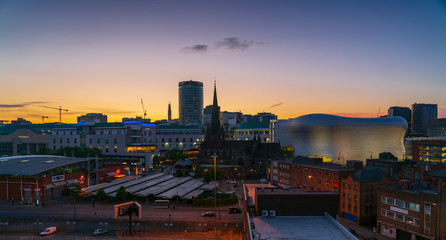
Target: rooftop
[(439, 173), (309, 162), (415, 188), (291, 191), (369, 175), (253, 125), (33, 164), (297, 227)]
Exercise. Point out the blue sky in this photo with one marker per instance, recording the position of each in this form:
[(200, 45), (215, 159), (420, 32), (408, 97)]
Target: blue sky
[(349, 58)]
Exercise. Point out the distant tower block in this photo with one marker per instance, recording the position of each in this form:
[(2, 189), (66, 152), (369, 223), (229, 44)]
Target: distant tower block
[(169, 113), (191, 102)]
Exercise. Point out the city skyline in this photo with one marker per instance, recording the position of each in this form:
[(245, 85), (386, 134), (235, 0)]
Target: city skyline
[(345, 58)]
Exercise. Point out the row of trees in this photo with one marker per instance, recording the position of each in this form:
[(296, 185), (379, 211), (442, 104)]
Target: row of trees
[(72, 152)]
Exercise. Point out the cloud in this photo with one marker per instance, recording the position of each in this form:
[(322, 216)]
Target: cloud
[(234, 43), (19, 105), (198, 48), (275, 105)]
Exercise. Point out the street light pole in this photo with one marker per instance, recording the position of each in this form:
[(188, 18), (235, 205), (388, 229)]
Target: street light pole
[(215, 194)]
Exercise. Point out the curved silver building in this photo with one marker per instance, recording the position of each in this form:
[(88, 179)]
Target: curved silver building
[(342, 138)]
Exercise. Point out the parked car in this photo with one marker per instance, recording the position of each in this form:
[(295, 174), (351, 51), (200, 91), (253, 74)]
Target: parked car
[(48, 230), (99, 232), (208, 214), (235, 210)]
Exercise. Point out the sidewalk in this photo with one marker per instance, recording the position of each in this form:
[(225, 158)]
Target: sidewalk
[(361, 231)]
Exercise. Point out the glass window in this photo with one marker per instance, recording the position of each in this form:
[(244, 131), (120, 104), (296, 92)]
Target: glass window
[(428, 225), (383, 199), (390, 214), (427, 208), (390, 201), (399, 203)]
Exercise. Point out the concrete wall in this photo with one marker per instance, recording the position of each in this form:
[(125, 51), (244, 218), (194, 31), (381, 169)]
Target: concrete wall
[(17, 224)]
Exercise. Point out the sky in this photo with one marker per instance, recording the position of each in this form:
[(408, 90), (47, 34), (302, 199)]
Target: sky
[(291, 58)]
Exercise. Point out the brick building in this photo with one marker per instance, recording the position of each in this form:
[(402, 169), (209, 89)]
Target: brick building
[(412, 210), (39, 177), (310, 174), (357, 195), (295, 202)]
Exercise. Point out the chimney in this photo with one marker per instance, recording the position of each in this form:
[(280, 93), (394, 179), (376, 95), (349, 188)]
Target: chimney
[(356, 164), (404, 184), (316, 160)]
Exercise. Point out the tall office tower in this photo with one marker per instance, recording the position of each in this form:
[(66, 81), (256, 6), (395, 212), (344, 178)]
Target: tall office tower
[(403, 112), (424, 116), (169, 113), (191, 102)]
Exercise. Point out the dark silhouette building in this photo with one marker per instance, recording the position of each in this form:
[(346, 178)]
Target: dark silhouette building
[(424, 116), (237, 159)]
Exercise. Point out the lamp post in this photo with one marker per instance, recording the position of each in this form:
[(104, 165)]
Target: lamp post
[(215, 194), (435, 204)]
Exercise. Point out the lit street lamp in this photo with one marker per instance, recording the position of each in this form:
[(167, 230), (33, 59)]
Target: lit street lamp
[(215, 194)]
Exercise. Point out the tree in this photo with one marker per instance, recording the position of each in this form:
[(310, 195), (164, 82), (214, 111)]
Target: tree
[(197, 173), (207, 177), (101, 195), (287, 152), (121, 194), (178, 173), (76, 192)]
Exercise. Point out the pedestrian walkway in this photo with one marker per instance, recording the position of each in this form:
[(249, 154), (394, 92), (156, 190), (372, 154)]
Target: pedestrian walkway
[(361, 232)]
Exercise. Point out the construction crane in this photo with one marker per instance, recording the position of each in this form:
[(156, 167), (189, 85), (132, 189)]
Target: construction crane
[(143, 109), (43, 117), (60, 111)]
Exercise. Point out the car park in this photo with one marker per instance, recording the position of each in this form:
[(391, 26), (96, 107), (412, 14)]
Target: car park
[(48, 230), (99, 232), (208, 214), (234, 210)]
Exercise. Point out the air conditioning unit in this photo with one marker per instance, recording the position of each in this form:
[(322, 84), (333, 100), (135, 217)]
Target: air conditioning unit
[(272, 213), (264, 213)]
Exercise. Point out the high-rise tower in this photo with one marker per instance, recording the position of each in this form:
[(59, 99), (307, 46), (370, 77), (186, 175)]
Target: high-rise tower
[(169, 113), (424, 116), (191, 102)]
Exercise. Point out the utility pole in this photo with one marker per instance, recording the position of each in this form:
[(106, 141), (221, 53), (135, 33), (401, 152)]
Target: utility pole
[(215, 194)]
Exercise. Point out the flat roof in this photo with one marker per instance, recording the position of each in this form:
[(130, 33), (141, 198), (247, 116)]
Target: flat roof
[(251, 190), (300, 227), (291, 191), (30, 165)]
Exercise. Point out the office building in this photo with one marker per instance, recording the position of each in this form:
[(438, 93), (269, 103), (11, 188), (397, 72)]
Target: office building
[(250, 130), (358, 195), (310, 174), (93, 117), (412, 210), (403, 112), (424, 117), (191, 102), (430, 149)]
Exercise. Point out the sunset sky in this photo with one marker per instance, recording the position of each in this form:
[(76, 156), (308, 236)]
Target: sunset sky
[(349, 58)]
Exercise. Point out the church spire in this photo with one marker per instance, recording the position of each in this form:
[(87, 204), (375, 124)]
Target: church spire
[(214, 132), (215, 103)]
